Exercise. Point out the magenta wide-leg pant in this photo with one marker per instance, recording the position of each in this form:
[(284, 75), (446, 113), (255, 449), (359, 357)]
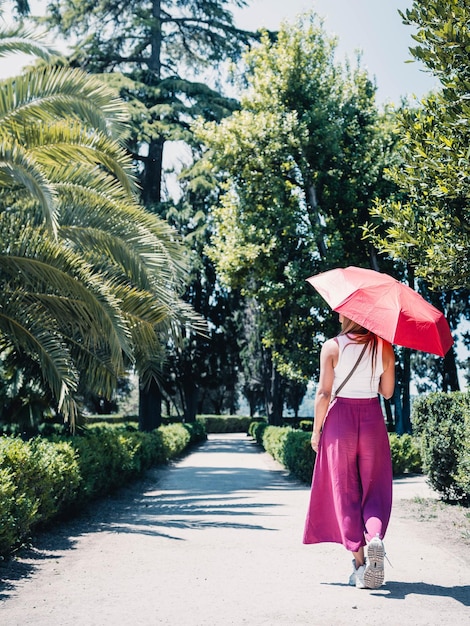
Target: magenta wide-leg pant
[(351, 495)]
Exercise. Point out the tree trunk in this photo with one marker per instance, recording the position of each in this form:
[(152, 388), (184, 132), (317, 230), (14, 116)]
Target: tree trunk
[(190, 392), (398, 409), (150, 400), (405, 423), (312, 203), (152, 175), (401, 395), (389, 416), (150, 407), (450, 378), (273, 393), (406, 391)]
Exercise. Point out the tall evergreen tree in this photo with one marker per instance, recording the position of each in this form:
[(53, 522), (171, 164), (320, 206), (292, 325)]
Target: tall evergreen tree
[(157, 51)]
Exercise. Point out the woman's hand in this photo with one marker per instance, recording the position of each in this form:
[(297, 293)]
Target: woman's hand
[(315, 440)]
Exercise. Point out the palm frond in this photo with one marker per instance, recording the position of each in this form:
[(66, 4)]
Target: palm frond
[(70, 142), (22, 40), (47, 267), (47, 94), (18, 168), (26, 327)]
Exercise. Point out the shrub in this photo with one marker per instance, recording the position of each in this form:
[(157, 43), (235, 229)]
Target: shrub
[(112, 455), (38, 479), (197, 431), (9, 531), (299, 456), (175, 439), (406, 456), (442, 421), (274, 438), (256, 430), (224, 423), (16, 460)]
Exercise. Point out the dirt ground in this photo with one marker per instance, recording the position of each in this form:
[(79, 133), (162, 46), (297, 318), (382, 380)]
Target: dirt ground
[(215, 539), (449, 524)]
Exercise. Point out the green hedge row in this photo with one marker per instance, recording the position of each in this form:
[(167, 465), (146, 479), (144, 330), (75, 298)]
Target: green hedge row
[(224, 423), (293, 450), (442, 421), (211, 423), (43, 478)]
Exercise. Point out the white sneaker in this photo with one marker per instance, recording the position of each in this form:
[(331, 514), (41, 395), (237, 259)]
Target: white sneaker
[(352, 578), (360, 584), (374, 569), (357, 577)]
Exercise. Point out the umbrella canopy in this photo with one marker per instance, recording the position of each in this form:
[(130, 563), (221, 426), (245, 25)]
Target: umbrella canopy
[(386, 307)]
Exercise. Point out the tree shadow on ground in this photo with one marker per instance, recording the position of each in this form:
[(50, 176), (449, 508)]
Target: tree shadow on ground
[(392, 590), (168, 501), (399, 591)]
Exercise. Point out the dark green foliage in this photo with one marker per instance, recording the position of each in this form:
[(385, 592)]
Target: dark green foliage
[(292, 449), (442, 420), (427, 224), (274, 440), (224, 424), (8, 511), (406, 456), (196, 431), (38, 478), (299, 457), (256, 430)]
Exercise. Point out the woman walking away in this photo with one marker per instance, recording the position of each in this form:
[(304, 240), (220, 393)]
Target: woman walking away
[(351, 495)]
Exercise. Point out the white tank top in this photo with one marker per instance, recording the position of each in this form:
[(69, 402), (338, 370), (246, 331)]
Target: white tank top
[(364, 383)]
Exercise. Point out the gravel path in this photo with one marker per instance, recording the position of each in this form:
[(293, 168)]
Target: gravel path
[(215, 540)]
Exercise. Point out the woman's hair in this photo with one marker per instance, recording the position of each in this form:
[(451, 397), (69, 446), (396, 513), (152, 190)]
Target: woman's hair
[(362, 335), (348, 326)]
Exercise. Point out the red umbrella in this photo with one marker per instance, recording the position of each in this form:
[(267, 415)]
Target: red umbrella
[(386, 307)]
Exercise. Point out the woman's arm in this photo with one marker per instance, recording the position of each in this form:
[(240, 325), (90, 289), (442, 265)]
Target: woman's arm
[(387, 380), (328, 359)]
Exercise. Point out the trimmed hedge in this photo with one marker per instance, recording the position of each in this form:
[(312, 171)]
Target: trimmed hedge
[(406, 455), (256, 430), (291, 448), (442, 421), (211, 423), (224, 423), (42, 479), (37, 479)]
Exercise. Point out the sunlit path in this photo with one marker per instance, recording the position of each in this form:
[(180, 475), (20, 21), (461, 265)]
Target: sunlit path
[(215, 539)]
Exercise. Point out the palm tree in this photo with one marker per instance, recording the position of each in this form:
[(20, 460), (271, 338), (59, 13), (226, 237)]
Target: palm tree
[(90, 282)]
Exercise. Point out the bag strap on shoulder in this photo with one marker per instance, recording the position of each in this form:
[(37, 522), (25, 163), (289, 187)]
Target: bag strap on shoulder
[(351, 372)]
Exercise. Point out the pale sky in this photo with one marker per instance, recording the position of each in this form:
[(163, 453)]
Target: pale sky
[(371, 26)]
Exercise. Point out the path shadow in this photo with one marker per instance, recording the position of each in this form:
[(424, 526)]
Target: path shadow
[(166, 501), (399, 591), (28, 558)]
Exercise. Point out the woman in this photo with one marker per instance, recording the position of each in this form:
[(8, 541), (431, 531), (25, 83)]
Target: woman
[(351, 495)]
